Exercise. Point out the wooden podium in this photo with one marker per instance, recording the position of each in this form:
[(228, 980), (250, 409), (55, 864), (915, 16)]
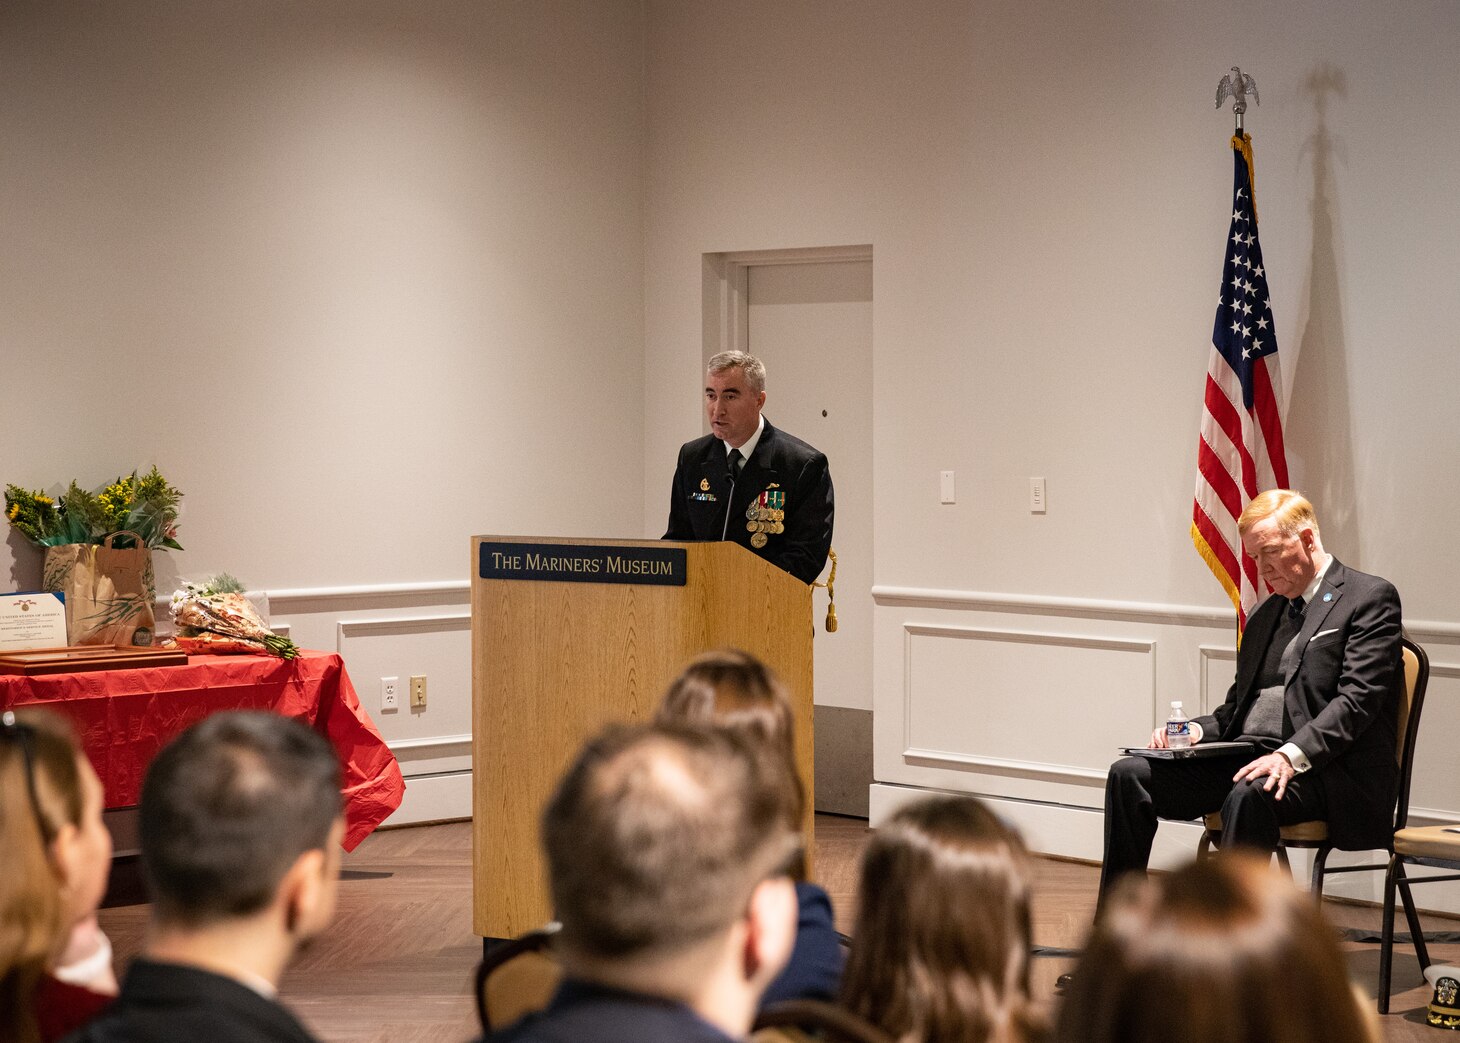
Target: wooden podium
[(554, 659)]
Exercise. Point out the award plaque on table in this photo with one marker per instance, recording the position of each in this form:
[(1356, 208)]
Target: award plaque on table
[(32, 619)]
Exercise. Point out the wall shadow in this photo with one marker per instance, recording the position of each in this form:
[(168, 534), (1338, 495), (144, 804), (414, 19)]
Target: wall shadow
[(25, 561), (1319, 428)]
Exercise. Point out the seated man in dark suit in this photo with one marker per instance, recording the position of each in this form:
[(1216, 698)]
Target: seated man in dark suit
[(749, 482), (241, 829), (1317, 692), (668, 856)]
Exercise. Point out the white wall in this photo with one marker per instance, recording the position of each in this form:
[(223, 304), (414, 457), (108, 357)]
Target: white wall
[(362, 278), (1046, 188), (365, 277)]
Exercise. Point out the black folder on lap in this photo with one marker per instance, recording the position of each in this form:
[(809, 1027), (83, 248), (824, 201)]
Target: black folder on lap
[(1201, 749)]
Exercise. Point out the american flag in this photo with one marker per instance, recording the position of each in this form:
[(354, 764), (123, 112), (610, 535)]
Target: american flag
[(1241, 452)]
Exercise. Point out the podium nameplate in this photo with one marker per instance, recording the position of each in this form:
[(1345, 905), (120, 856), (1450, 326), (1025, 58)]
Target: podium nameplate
[(583, 563)]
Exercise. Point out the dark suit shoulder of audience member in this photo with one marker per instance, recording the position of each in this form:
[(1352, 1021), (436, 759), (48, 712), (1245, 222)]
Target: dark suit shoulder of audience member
[(815, 968), (584, 1011), (163, 1002)]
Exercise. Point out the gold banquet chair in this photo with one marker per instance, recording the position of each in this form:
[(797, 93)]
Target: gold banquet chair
[(1314, 834), (1434, 846), (517, 977)]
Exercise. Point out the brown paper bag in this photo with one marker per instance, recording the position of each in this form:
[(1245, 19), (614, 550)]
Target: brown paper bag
[(109, 591)]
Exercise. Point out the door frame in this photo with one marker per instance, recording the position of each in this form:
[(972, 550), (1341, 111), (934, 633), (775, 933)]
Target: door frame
[(726, 289)]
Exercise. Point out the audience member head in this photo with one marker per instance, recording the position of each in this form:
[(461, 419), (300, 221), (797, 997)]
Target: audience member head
[(732, 689), (57, 855), (240, 821), (1222, 949), (940, 950), (666, 849)]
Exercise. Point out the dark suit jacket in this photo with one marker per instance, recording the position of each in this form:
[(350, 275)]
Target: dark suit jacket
[(814, 970), (697, 504), (1341, 703), (581, 1012), (166, 1002)]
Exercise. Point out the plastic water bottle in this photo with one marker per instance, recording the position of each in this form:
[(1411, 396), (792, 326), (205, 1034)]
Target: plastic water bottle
[(1178, 728)]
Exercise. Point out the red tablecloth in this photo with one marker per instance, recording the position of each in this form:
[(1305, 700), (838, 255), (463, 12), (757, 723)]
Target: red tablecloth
[(125, 716)]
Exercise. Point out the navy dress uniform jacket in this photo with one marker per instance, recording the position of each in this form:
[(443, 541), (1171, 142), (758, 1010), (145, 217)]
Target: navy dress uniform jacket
[(704, 505)]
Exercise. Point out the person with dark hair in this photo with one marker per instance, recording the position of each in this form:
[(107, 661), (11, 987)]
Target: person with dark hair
[(940, 950), (667, 852), (1316, 695), (55, 962), (241, 826), (732, 689), (1220, 950), (751, 483)]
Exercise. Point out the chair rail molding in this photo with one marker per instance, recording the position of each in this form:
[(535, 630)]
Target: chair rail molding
[(1098, 608)]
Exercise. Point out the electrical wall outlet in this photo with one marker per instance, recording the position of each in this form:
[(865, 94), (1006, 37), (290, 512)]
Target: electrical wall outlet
[(389, 694), (418, 692)]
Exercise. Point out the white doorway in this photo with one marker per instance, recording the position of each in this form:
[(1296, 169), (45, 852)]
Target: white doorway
[(807, 314)]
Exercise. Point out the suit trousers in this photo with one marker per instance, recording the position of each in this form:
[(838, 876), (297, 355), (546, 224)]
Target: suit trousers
[(1140, 791)]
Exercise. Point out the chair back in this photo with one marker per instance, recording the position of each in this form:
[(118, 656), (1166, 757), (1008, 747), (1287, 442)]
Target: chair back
[(516, 978), (1412, 698)]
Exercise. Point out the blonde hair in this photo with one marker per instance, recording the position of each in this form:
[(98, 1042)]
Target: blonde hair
[(1289, 510), (40, 793)]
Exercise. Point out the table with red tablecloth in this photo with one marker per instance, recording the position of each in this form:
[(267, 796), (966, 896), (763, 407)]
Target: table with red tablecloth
[(124, 717)]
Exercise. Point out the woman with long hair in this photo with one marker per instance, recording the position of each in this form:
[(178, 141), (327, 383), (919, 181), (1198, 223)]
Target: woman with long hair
[(1223, 949), (940, 951), (732, 689), (55, 963)]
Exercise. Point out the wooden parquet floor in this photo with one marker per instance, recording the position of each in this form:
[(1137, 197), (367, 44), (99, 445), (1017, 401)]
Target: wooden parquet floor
[(396, 966)]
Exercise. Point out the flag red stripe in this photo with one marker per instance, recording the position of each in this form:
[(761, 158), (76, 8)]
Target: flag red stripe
[(1225, 414), (1266, 406), (1221, 483)]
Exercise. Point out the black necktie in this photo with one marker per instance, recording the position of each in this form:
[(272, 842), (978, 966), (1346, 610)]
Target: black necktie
[(1295, 610), (733, 465)]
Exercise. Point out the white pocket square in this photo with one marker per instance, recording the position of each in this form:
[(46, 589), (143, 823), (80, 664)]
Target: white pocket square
[(1322, 634)]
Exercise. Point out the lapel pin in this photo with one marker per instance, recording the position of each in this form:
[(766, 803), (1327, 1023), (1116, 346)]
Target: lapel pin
[(1328, 596)]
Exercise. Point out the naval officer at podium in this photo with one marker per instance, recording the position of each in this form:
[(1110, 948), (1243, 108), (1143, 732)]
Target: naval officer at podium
[(748, 482)]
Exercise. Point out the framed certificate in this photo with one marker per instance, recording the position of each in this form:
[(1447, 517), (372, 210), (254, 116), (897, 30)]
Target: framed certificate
[(35, 619)]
